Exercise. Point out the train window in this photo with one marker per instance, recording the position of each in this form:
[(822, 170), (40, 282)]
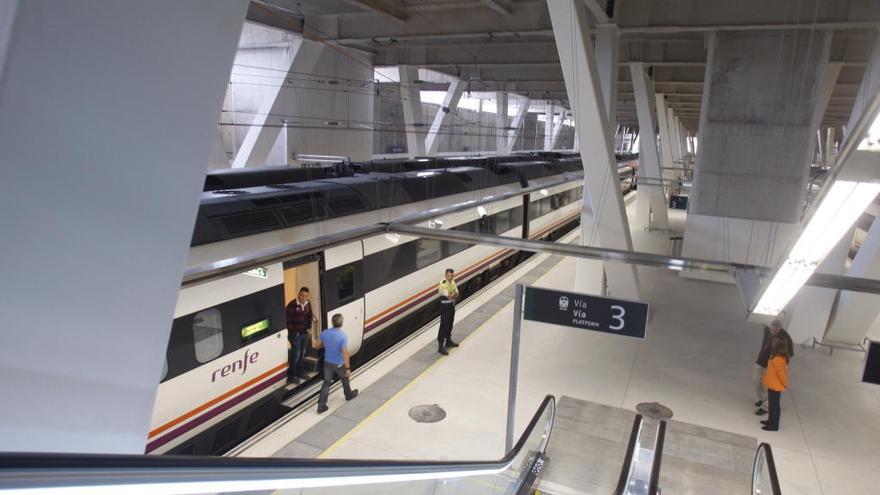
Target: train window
[(208, 334), (429, 251), (344, 283)]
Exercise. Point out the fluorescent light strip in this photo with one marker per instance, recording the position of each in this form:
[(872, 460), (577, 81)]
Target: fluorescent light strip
[(843, 205)]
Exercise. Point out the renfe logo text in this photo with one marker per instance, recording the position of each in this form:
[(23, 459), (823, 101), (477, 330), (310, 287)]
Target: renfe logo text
[(240, 364)]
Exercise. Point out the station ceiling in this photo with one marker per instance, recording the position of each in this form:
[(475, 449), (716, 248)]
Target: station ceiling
[(509, 44)]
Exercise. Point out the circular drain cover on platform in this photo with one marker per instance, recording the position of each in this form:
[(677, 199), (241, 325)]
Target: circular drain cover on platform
[(654, 410), (427, 414)]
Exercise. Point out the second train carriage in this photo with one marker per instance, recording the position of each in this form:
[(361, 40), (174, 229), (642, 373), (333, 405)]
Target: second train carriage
[(226, 363)]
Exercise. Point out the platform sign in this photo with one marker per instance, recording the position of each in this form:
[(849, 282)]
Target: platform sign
[(599, 314)]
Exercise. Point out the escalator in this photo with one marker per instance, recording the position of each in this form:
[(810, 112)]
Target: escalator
[(515, 474)]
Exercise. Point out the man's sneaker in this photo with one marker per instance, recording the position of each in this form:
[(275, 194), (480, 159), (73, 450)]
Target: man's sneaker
[(442, 350), (322, 409), (760, 412), (354, 393), (759, 403), (450, 343), (295, 380)]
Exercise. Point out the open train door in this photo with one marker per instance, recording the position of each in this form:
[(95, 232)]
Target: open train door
[(343, 290)]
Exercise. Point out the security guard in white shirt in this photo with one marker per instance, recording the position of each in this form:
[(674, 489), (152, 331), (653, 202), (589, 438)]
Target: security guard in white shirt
[(448, 295)]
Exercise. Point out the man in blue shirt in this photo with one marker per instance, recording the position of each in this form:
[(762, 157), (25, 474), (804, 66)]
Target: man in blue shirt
[(336, 361)]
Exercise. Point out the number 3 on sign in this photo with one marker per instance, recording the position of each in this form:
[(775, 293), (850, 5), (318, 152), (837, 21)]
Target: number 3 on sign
[(618, 317)]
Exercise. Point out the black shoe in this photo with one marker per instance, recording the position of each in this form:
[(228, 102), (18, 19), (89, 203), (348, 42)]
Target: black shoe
[(768, 428), (442, 350), (760, 412), (765, 423), (322, 409), (354, 393), (450, 343), (759, 403)]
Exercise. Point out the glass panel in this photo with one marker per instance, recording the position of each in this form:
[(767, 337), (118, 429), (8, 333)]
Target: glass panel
[(344, 283), (429, 251), (208, 334)]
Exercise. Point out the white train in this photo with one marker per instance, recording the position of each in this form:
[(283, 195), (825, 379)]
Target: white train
[(226, 362)]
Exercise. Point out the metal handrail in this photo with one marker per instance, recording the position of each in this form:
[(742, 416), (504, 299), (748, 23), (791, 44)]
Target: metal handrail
[(653, 486), (771, 469), (110, 474), (630, 450)]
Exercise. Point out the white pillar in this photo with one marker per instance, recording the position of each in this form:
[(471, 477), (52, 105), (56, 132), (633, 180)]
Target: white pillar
[(829, 146), (98, 216), (517, 124), (665, 138), (856, 311), (603, 220), (450, 104), (651, 201), (501, 122), (557, 130), (267, 123), (548, 125), (413, 119), (813, 305), (607, 42)]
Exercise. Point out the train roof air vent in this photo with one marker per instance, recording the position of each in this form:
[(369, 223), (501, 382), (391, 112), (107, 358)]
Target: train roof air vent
[(250, 222)]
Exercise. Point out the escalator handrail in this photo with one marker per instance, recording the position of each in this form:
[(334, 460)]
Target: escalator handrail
[(113, 473), (627, 460), (771, 467), (653, 486)]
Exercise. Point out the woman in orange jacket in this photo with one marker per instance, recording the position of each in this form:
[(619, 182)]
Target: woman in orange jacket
[(776, 380)]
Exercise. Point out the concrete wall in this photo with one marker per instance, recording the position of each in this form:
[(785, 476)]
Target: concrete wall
[(327, 107), (467, 131)]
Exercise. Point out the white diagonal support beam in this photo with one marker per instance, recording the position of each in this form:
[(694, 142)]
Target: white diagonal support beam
[(450, 104), (548, 125), (267, 123), (557, 130), (500, 122), (517, 124), (603, 212), (607, 43), (413, 119), (651, 201), (665, 142)]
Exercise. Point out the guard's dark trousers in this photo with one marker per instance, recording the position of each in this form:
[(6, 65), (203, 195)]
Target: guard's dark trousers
[(775, 411), (447, 316), (331, 370)]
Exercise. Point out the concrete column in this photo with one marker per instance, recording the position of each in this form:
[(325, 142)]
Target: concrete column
[(651, 201), (266, 126), (517, 124), (412, 111), (450, 104), (813, 305), (557, 130), (501, 122), (548, 125), (603, 220), (665, 136), (98, 217), (607, 43), (675, 149), (829, 146), (856, 311)]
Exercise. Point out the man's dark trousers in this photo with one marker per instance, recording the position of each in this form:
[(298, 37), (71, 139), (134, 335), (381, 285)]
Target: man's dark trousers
[(447, 316), (331, 370)]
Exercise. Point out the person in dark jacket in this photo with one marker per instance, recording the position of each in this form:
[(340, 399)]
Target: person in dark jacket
[(776, 380), (300, 319), (760, 369)]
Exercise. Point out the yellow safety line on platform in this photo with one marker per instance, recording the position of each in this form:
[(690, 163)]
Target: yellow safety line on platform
[(386, 404)]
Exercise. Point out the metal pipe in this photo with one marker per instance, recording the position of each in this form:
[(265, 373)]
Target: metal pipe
[(631, 257)]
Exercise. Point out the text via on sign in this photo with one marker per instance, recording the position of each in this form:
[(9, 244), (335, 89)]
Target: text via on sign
[(588, 312)]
